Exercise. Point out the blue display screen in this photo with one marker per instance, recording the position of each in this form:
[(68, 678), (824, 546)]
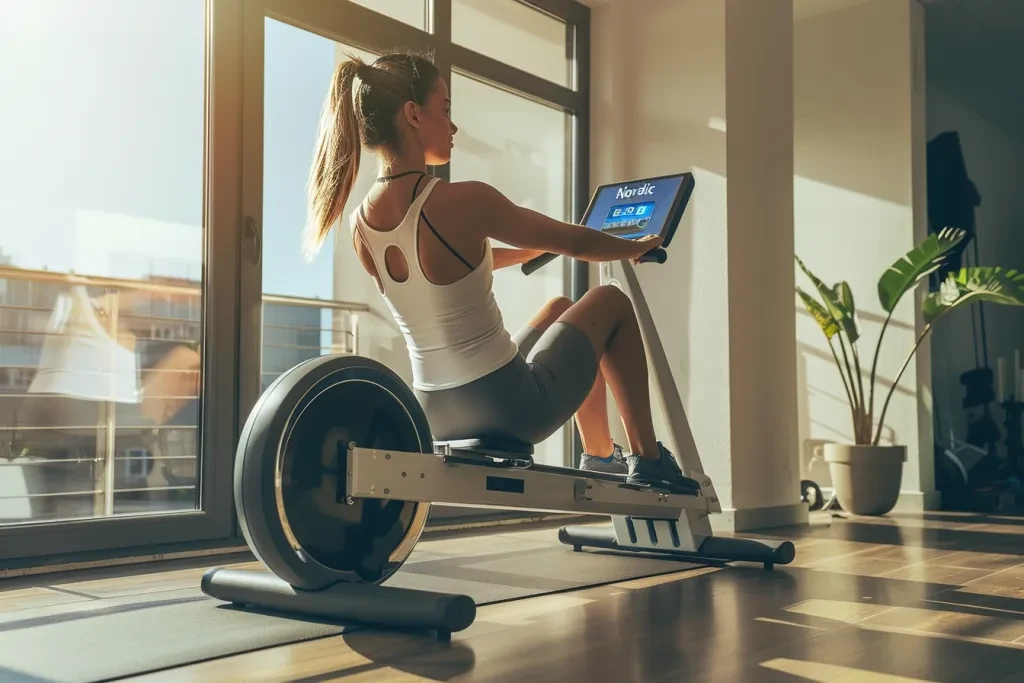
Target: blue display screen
[(632, 210)]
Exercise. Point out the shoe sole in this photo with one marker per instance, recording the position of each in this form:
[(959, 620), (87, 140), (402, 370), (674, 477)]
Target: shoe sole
[(660, 484), (621, 471)]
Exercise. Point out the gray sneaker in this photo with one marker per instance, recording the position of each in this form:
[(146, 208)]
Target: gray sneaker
[(663, 473), (613, 464)]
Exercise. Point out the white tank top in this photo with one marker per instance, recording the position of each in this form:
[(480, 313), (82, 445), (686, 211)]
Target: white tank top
[(454, 333)]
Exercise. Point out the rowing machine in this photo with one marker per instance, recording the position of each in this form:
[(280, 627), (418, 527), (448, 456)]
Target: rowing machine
[(336, 469)]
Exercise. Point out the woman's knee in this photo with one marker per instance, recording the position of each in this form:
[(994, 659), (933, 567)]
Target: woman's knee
[(610, 296), (559, 305), (550, 312)]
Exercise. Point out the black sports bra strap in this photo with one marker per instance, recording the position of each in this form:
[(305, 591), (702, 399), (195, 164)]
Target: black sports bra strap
[(386, 178), (362, 212), (416, 187), (445, 242)]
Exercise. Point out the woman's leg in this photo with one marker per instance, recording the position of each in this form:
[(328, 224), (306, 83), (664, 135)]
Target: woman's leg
[(592, 415), (604, 318), (605, 314)]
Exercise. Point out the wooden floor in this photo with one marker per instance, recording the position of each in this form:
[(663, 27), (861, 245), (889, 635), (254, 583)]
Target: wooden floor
[(934, 597)]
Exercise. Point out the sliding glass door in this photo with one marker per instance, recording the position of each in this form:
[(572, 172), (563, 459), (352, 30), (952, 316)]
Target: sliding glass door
[(152, 198), (116, 265)]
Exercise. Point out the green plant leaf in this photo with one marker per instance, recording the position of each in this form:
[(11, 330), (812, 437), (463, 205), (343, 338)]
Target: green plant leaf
[(993, 284), (833, 298), (820, 314), (918, 263), (844, 296)]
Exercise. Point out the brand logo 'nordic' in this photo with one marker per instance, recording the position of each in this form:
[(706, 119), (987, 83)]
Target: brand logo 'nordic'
[(642, 191)]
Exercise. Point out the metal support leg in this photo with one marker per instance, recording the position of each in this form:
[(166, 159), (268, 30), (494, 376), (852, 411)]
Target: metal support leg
[(646, 536), (367, 604)]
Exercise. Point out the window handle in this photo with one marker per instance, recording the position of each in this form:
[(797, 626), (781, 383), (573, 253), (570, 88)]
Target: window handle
[(252, 232)]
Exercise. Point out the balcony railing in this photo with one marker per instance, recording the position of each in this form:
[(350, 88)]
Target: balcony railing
[(100, 453)]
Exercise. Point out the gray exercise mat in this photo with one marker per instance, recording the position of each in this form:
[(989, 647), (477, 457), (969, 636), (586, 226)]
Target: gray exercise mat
[(107, 639)]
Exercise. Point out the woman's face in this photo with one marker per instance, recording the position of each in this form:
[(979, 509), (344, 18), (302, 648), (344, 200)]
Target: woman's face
[(433, 125)]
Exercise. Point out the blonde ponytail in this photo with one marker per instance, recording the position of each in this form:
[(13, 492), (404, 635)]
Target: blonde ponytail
[(335, 158), (352, 119)]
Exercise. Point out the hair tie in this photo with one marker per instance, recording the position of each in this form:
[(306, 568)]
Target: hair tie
[(364, 71)]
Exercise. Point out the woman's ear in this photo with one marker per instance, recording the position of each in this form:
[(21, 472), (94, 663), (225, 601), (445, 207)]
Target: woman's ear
[(412, 114)]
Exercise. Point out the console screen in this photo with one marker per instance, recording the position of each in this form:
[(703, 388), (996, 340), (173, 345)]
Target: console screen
[(642, 207)]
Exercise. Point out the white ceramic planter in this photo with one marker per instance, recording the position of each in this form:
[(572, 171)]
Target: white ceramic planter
[(866, 478)]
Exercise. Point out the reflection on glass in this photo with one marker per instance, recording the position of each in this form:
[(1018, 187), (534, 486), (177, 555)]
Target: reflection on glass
[(412, 12), (521, 148), (101, 177), (516, 34)]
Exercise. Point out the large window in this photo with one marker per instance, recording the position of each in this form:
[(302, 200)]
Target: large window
[(309, 309), (152, 199), (520, 103), (523, 149), (101, 257), (412, 12), (516, 34)]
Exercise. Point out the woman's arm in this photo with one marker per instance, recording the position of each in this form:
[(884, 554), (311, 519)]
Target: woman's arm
[(502, 220), (503, 257)]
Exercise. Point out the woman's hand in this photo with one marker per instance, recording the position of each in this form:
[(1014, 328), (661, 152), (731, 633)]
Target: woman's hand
[(644, 245)]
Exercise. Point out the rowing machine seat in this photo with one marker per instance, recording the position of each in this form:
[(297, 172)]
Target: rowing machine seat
[(493, 446)]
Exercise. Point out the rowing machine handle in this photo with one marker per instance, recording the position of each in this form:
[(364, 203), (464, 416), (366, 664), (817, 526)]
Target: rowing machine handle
[(535, 264), (656, 255)]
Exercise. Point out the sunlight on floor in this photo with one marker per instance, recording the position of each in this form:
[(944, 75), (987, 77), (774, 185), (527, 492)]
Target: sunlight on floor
[(526, 612), (959, 622), (836, 610), (782, 622), (831, 673)]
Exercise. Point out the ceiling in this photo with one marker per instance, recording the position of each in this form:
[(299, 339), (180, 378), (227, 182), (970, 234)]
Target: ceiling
[(975, 54)]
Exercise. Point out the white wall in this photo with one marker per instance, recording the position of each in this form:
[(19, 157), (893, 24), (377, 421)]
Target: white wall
[(855, 194), (674, 83), (738, 395), (995, 162), (857, 176)]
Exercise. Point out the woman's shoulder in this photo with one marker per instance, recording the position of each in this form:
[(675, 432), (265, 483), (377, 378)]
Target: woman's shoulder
[(468, 195)]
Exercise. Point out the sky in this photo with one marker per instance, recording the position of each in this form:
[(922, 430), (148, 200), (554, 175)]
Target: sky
[(102, 171)]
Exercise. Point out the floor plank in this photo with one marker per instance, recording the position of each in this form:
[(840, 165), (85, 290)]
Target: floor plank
[(904, 599)]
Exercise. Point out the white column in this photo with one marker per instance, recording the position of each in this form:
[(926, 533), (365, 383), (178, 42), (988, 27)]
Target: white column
[(763, 431)]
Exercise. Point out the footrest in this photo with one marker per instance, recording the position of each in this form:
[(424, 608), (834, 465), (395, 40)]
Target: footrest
[(712, 548), (686, 489)]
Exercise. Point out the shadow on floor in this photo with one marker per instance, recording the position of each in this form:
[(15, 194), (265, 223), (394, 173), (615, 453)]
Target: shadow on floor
[(931, 532), (422, 656)]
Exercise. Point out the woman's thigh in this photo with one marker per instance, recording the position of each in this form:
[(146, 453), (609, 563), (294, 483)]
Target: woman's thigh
[(527, 399)]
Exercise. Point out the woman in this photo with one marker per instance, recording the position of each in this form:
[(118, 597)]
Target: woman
[(426, 244)]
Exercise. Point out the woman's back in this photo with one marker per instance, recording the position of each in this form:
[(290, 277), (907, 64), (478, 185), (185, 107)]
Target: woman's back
[(436, 281)]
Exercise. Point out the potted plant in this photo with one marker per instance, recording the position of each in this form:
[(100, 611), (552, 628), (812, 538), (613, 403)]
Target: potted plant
[(866, 474)]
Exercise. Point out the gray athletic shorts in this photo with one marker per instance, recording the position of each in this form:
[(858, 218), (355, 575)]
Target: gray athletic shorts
[(529, 398)]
